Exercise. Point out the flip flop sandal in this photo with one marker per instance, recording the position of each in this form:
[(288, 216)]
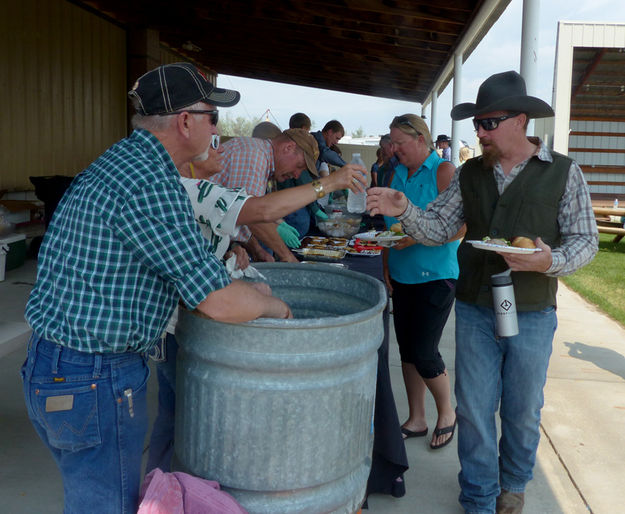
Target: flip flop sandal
[(410, 433), (443, 431)]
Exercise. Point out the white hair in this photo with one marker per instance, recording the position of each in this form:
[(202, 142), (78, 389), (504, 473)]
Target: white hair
[(159, 122)]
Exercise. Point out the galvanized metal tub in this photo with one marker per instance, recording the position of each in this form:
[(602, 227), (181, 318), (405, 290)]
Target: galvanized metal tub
[(280, 412)]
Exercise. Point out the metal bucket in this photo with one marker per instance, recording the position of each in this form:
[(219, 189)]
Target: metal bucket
[(280, 412)]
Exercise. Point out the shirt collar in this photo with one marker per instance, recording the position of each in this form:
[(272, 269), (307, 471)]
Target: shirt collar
[(154, 146)]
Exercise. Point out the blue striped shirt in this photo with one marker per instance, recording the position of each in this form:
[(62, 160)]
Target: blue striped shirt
[(122, 248)]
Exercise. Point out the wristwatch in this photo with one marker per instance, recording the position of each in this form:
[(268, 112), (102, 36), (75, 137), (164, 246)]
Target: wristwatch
[(318, 187)]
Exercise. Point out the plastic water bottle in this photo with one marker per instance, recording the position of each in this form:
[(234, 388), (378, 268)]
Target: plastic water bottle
[(615, 204), (357, 202)]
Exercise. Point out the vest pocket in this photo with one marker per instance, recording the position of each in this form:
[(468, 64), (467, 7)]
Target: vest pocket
[(69, 415)]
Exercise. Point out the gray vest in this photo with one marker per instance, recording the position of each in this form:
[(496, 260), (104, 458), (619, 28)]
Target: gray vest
[(528, 207)]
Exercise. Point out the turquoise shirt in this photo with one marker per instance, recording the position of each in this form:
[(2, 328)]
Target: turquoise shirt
[(417, 264)]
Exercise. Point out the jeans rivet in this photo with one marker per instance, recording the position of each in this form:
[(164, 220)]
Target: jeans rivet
[(93, 386), (36, 391)]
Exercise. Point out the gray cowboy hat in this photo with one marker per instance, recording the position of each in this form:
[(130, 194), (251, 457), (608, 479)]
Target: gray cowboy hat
[(503, 92)]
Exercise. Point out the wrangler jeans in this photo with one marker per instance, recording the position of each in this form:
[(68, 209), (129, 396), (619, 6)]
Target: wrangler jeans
[(506, 374), (91, 412)]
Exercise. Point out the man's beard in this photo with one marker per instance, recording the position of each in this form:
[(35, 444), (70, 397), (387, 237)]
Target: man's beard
[(490, 156), (203, 156)]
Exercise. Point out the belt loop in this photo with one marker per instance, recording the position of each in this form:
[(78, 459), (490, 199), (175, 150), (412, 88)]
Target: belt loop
[(97, 365), (33, 342), (56, 356)]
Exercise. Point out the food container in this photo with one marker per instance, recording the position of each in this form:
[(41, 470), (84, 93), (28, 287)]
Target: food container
[(343, 225)]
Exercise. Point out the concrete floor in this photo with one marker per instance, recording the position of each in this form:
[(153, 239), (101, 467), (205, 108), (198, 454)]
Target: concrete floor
[(581, 458)]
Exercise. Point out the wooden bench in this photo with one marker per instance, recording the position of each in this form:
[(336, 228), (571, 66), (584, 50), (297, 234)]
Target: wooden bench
[(606, 225)]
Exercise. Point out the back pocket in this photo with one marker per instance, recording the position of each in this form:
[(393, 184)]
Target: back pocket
[(69, 415)]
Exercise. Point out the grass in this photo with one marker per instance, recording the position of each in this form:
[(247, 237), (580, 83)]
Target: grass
[(602, 282)]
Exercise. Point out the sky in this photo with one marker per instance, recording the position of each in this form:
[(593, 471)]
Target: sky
[(501, 45)]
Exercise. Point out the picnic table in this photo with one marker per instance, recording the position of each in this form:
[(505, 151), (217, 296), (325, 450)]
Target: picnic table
[(607, 223)]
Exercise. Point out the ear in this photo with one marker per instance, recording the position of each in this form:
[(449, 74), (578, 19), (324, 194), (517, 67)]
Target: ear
[(183, 122), (289, 147)]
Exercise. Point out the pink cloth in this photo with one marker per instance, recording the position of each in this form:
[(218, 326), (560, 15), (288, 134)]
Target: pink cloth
[(179, 493)]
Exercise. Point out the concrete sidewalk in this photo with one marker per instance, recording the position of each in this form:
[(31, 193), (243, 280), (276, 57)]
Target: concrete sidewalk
[(581, 460)]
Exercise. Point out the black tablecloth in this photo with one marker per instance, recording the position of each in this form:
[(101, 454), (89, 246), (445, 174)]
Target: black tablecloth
[(389, 453)]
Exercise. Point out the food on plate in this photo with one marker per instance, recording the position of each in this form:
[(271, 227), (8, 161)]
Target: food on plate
[(496, 241), (396, 227), (523, 242), (518, 242)]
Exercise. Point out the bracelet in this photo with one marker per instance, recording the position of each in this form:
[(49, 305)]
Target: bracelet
[(318, 187)]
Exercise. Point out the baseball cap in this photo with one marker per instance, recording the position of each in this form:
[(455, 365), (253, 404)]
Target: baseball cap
[(172, 87), (306, 141)]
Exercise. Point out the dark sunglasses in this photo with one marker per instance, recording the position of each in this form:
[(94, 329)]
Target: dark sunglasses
[(214, 114), (402, 120), (489, 124)]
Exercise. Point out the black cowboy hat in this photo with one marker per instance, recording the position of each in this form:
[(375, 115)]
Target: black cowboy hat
[(441, 138), (503, 92)]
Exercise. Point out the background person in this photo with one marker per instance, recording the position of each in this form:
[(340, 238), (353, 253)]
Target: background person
[(250, 162), (376, 166), (442, 142), (326, 138), (122, 249), (300, 120), (390, 161), (517, 187), (422, 282)]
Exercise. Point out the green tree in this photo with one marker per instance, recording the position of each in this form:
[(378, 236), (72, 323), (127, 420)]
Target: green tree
[(359, 133), (237, 127)]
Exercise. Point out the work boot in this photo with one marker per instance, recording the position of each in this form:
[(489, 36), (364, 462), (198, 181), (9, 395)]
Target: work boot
[(510, 503)]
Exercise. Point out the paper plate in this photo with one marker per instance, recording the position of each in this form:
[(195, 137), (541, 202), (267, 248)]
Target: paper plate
[(483, 245)]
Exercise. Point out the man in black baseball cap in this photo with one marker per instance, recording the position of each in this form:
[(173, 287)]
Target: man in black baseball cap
[(121, 251), (172, 87)]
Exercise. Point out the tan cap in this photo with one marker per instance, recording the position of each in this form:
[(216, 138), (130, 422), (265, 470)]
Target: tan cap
[(306, 141)]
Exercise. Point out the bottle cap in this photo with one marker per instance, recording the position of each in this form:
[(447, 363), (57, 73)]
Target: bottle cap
[(501, 280)]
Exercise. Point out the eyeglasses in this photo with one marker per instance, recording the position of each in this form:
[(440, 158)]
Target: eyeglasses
[(403, 120), (489, 124), (214, 114), (215, 141)]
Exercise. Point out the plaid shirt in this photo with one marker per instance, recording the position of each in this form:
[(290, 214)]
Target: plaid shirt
[(122, 248), (248, 164), (578, 228)]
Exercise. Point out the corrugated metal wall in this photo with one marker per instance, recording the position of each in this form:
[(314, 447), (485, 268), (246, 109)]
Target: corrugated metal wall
[(63, 89), (599, 148)]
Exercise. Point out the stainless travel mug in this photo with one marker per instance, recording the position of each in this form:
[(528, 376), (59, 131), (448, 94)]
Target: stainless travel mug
[(504, 304)]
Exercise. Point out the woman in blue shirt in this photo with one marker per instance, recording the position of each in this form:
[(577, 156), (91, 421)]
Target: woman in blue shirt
[(421, 280)]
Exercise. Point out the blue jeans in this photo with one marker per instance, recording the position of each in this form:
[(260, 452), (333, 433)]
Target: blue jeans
[(498, 373), (162, 438), (91, 412)]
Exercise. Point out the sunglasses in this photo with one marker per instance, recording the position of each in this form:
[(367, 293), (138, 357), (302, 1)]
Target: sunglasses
[(214, 114), (402, 120), (489, 124), (215, 141)]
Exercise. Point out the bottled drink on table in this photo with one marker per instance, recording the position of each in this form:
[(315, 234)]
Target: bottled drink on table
[(615, 204), (357, 202)]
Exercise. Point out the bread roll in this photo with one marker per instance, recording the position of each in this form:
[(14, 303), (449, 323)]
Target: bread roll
[(396, 228), (523, 242)]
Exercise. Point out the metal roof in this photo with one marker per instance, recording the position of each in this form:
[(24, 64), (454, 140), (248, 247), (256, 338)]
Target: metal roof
[(598, 83), (395, 49)]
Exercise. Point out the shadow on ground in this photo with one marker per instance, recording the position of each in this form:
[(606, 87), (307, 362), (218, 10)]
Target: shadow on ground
[(603, 358)]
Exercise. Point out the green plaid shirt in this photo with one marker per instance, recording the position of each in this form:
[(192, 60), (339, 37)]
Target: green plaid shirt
[(122, 248)]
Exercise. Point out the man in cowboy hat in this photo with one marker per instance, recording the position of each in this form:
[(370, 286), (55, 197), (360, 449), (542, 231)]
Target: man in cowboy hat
[(518, 187), (442, 142)]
